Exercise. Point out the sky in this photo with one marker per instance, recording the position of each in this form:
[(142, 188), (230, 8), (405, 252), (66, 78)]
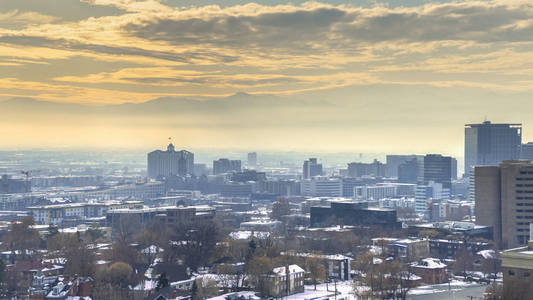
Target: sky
[(377, 76)]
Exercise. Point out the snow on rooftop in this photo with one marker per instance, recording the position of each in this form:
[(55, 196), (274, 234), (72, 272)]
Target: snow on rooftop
[(430, 263), (246, 234), (152, 250), (487, 254), (245, 294), (292, 269)]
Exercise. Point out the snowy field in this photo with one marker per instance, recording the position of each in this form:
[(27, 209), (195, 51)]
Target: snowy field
[(454, 291)]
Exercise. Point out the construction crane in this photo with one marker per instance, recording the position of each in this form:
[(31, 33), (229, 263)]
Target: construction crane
[(27, 173)]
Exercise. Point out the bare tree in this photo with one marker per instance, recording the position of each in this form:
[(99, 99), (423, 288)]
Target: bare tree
[(315, 267), (22, 237), (492, 264), (206, 288), (258, 268), (463, 260)]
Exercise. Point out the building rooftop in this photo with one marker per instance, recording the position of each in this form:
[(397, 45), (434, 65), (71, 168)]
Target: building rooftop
[(429, 263), (292, 270)]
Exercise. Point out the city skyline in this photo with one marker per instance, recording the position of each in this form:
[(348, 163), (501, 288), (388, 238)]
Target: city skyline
[(244, 149)]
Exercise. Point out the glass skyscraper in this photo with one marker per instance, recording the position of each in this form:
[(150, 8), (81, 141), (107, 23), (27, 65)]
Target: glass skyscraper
[(489, 144)]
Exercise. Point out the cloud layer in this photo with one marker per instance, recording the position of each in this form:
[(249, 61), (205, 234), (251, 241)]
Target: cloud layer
[(212, 51)]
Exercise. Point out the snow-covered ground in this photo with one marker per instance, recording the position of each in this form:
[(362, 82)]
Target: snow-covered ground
[(344, 291), (455, 285), (457, 289)]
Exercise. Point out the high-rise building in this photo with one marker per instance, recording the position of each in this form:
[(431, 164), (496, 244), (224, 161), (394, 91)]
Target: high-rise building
[(504, 200), (311, 168), (252, 159), (438, 168), (224, 165), (394, 161), (489, 144), (408, 171), (170, 162), (454, 168), (375, 169), (526, 152)]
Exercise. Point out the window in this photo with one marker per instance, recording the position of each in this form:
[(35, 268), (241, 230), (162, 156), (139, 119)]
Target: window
[(511, 272)]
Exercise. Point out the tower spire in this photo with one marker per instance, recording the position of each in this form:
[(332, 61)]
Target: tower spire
[(170, 147)]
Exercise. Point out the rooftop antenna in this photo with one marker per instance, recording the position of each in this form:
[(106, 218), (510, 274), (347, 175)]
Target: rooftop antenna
[(485, 120)]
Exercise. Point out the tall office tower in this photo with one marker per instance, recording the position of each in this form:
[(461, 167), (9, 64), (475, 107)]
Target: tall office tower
[(408, 172), (394, 161), (375, 168), (454, 168), (504, 200), (170, 162), (225, 165), (252, 159), (438, 168), (488, 144), (526, 152), (311, 168)]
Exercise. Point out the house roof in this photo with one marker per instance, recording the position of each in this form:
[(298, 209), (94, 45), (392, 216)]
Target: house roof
[(292, 270), (429, 263)]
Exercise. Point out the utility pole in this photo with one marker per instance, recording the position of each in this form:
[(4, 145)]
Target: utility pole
[(335, 281)]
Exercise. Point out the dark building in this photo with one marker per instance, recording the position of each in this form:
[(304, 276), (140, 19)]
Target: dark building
[(489, 144), (354, 214), (9, 185), (170, 162), (526, 152), (237, 189), (311, 168), (454, 168), (248, 175), (408, 172), (375, 169), (134, 219), (438, 168), (225, 165), (448, 249)]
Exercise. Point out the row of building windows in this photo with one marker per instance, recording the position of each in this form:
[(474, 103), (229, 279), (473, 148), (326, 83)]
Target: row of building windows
[(525, 274), (524, 210), (524, 198), (524, 204)]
